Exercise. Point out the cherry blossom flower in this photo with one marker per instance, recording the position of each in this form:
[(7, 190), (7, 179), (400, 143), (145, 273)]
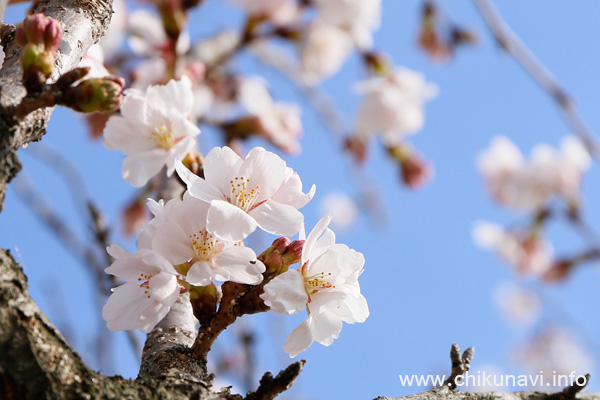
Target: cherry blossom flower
[(323, 50), (343, 209), (182, 238), (277, 121), (531, 185), (243, 194), (519, 305), (358, 17), (326, 285), (393, 106), (153, 130), (150, 291), (529, 253), (279, 12)]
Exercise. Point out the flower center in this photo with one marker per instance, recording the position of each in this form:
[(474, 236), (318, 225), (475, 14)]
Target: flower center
[(317, 282), (145, 283), (204, 245), (163, 136), (242, 193)]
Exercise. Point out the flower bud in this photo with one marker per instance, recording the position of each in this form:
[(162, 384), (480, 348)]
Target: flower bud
[(39, 36), (96, 94), (293, 253), (41, 31), (273, 256), (415, 170)]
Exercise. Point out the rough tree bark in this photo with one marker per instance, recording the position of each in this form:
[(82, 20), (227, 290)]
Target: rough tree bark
[(35, 360)]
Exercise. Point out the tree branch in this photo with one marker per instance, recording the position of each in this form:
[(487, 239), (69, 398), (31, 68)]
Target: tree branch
[(510, 42), (84, 22)]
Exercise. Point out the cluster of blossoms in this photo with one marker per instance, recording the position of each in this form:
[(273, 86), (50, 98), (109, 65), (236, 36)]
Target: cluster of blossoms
[(532, 187), (194, 241)]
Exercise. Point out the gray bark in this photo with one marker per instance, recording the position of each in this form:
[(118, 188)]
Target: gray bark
[(83, 22)]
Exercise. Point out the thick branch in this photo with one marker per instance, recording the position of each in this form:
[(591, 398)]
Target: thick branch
[(83, 23)]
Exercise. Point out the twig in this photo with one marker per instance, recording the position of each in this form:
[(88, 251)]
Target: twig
[(270, 387), (460, 365), (510, 42)]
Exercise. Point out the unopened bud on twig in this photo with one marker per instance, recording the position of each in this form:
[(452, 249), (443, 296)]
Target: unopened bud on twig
[(96, 94), (39, 36), (281, 255), (414, 169)]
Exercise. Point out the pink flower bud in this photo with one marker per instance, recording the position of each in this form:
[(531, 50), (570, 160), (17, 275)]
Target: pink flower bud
[(40, 31), (293, 254)]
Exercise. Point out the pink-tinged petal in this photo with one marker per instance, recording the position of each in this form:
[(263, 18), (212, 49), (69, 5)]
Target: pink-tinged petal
[(354, 309), (278, 219), (266, 171), (133, 105), (197, 186), (151, 316), (325, 300), (152, 258), (228, 222), (173, 243), (121, 134), (238, 264), (285, 293), (155, 207), (125, 306), (201, 273), (221, 165), (290, 191), (164, 288), (129, 266), (338, 260), (177, 95), (139, 168), (313, 236), (326, 327), (300, 339), (323, 243)]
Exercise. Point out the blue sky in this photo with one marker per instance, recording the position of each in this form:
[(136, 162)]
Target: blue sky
[(427, 284)]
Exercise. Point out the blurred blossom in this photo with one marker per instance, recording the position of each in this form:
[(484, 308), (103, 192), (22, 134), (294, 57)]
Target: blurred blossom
[(518, 305), (148, 38), (527, 252), (556, 351), (323, 51), (94, 59), (343, 210), (2, 55), (113, 38), (278, 122), (279, 12), (530, 186), (210, 50), (358, 17), (393, 105)]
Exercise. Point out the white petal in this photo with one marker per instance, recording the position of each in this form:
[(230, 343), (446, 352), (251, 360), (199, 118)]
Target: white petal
[(228, 222), (139, 168), (313, 236), (354, 309), (278, 219), (220, 166), (300, 339), (238, 264), (197, 186), (125, 306), (201, 273), (326, 327), (285, 293), (265, 170), (173, 243)]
